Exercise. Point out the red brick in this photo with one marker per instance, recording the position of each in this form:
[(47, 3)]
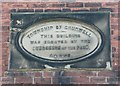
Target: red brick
[(5, 57), (5, 5), (6, 10), (79, 73), (39, 5), (23, 79), (37, 74), (115, 62), (1, 68), (78, 4), (5, 28), (5, 38), (5, 16), (116, 32), (4, 68), (0, 62), (117, 38), (18, 5), (0, 39), (114, 43), (114, 55), (5, 62), (55, 80), (5, 52), (114, 49), (30, 4), (107, 73), (47, 74), (114, 21), (110, 4), (5, 45), (79, 80), (99, 79), (58, 5), (119, 63), (114, 26), (42, 80), (6, 22), (7, 80), (0, 56), (92, 4), (115, 10), (0, 72)]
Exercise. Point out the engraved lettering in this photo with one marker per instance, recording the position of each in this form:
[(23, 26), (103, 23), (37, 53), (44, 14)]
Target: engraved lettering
[(60, 40)]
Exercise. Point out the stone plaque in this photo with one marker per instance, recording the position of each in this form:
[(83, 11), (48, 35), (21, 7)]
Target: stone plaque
[(60, 40)]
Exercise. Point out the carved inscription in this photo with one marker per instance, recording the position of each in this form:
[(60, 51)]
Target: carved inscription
[(60, 40)]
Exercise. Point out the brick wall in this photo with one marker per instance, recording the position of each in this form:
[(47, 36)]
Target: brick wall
[(58, 76)]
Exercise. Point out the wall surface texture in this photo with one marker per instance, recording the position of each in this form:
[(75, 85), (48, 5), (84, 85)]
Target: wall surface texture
[(59, 76)]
